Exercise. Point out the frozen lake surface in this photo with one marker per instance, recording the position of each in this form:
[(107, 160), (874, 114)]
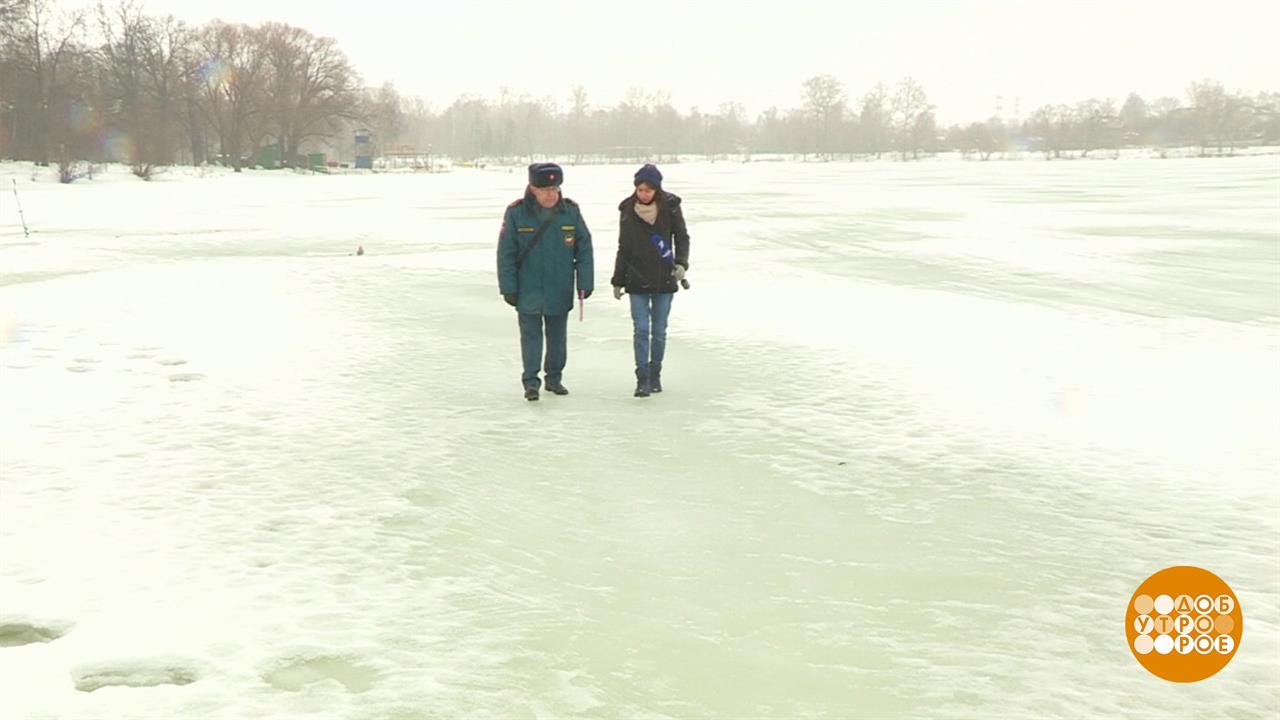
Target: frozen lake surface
[(926, 428)]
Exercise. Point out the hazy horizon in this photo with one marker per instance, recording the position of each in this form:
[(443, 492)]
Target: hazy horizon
[(972, 58)]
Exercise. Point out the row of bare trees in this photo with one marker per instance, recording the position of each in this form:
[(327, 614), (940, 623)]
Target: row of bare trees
[(116, 83), (896, 120), (1212, 119), (645, 124)]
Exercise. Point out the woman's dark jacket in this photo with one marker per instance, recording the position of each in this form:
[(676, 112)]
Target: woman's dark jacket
[(639, 267)]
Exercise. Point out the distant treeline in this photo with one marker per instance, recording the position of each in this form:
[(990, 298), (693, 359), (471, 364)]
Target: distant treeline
[(119, 84)]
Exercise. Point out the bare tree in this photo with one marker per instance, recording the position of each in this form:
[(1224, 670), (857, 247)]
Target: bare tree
[(771, 132), (984, 139), (312, 87), (668, 131), (233, 86), (1267, 106), (824, 102), (170, 72), (924, 134), (1097, 125), (382, 112), (1134, 120), (874, 120), (632, 123), (10, 10), (578, 120), (1167, 117), (579, 101), (417, 122), (725, 131), (521, 125), (910, 105), (694, 127), (124, 31), (468, 130), (1218, 117), (45, 47), (532, 119), (1049, 128)]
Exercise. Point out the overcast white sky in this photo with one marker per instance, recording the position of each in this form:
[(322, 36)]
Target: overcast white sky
[(964, 53)]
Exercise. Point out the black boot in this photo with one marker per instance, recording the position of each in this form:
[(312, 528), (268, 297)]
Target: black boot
[(557, 388), (655, 381), (642, 384), (531, 394)]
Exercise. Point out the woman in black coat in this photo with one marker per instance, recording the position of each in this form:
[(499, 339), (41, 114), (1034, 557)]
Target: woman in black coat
[(653, 255)]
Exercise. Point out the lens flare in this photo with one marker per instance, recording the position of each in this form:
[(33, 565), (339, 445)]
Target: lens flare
[(118, 146), (215, 72), (13, 332), (83, 118)]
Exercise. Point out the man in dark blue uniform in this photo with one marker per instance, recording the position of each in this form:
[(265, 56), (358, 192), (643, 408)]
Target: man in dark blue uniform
[(544, 247)]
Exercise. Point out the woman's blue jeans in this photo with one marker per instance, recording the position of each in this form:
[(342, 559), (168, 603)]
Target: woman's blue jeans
[(649, 313)]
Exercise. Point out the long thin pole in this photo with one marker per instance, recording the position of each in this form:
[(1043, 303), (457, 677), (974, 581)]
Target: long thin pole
[(18, 200)]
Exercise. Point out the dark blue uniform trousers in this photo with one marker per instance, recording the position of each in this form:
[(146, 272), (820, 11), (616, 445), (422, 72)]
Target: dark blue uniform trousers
[(531, 333)]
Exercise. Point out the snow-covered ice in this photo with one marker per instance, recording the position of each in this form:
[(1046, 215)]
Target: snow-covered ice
[(926, 427)]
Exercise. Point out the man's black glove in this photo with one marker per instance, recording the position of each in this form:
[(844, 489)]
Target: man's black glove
[(511, 299)]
